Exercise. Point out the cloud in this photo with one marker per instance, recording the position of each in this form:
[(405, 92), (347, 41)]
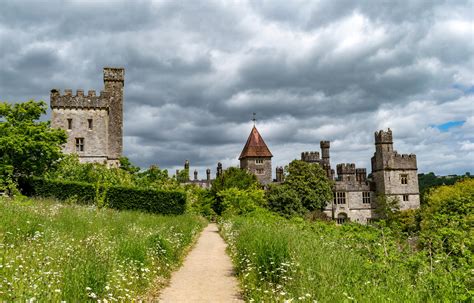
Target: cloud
[(196, 71)]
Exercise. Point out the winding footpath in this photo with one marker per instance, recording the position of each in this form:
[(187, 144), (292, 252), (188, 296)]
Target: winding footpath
[(206, 274)]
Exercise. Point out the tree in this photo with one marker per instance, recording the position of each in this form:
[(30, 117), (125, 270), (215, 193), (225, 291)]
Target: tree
[(28, 147), (284, 200), (126, 165), (233, 177), (310, 183), (387, 208), (241, 201)]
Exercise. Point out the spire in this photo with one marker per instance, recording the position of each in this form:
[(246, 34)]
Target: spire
[(255, 146)]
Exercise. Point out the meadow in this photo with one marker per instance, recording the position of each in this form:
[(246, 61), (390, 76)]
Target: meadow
[(281, 260), (52, 251)]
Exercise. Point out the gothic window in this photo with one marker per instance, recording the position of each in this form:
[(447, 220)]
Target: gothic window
[(89, 122), (259, 161), (69, 123), (405, 198), (79, 144), (404, 179), (260, 171), (366, 197), (340, 198)]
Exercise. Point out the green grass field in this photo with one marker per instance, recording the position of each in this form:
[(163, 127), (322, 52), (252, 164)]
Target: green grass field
[(53, 251), (280, 260)]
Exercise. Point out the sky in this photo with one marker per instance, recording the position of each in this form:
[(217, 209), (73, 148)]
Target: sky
[(195, 71)]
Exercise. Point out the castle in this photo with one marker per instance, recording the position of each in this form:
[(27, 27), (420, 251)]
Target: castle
[(94, 126), (393, 175), (93, 123)]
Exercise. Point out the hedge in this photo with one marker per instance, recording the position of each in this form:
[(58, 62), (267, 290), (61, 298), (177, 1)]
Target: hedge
[(118, 197)]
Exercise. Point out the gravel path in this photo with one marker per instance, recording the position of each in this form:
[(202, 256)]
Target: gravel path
[(206, 274)]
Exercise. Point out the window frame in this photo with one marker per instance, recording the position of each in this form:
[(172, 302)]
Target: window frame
[(406, 198), (340, 197), (259, 161), (260, 171), (404, 179), (69, 123), (80, 144), (90, 124), (366, 197)]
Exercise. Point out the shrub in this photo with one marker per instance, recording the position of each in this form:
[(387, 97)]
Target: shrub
[(238, 202), (119, 197), (284, 200)]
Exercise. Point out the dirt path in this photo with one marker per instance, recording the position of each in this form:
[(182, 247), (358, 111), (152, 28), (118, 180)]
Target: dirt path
[(206, 274)]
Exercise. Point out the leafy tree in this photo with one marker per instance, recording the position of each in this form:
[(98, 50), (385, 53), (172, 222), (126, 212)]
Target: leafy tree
[(233, 177), (284, 200), (447, 221), (28, 147), (126, 165), (310, 183), (241, 201), (387, 208)]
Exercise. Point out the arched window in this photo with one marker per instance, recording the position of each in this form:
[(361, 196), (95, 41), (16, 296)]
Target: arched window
[(342, 218)]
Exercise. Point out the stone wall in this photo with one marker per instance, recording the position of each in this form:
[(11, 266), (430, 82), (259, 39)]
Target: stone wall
[(94, 139), (251, 165)]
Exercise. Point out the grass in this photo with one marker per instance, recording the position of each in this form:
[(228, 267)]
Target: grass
[(53, 251), (279, 260)]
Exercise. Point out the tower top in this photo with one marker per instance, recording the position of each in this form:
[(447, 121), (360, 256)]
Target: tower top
[(255, 146), (383, 137)]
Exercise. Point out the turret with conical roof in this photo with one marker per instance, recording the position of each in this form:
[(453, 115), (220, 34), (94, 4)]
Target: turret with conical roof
[(256, 157)]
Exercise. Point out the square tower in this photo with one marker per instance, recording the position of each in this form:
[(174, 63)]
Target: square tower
[(94, 124), (395, 175), (257, 158)]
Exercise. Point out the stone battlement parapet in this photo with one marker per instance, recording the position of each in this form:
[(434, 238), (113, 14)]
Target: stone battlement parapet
[(345, 169), (310, 156), (79, 100), (382, 137)]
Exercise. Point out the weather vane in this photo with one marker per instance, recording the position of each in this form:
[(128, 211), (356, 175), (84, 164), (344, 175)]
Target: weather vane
[(254, 118)]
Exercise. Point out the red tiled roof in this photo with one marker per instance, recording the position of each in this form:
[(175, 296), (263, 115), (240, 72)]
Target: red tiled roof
[(255, 146)]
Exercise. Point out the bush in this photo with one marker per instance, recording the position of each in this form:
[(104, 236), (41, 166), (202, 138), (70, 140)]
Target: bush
[(284, 200), (119, 197), (239, 202)]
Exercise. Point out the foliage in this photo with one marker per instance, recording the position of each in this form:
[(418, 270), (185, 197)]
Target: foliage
[(284, 200), (280, 260), (241, 201), (430, 180), (305, 189), (233, 177), (126, 165), (55, 252), (200, 201), (387, 208), (119, 197), (28, 147), (447, 224)]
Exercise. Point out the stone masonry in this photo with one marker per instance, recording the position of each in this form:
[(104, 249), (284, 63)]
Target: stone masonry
[(94, 123), (393, 175)]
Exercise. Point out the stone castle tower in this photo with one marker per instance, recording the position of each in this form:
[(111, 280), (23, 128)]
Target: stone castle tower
[(257, 158), (94, 124), (395, 175)]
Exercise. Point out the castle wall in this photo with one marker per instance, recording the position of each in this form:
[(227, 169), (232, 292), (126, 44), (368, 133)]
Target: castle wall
[(94, 148), (251, 165)]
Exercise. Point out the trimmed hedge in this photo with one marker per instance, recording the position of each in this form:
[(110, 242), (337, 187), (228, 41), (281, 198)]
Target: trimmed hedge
[(118, 197)]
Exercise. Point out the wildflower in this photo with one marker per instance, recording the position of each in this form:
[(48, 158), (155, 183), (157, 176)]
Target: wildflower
[(57, 290)]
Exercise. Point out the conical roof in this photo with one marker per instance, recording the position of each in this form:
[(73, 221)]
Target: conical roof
[(255, 146)]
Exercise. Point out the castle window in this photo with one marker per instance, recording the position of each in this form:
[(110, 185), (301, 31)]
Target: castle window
[(341, 218), (89, 122), (260, 171), (79, 144), (340, 198), (404, 179), (405, 197), (69, 123), (259, 161), (366, 197)]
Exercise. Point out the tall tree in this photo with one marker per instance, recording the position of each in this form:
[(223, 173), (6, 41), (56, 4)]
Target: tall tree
[(28, 147)]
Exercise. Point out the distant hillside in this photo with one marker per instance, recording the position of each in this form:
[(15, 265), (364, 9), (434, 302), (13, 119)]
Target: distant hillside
[(429, 180)]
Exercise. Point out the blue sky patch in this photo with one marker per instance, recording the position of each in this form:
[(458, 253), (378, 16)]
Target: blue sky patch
[(446, 126)]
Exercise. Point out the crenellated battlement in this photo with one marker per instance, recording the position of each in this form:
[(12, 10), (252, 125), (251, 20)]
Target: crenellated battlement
[(325, 144), (384, 137), (311, 157), (345, 169), (114, 74), (79, 100)]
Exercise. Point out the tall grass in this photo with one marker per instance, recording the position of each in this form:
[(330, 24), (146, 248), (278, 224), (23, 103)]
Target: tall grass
[(280, 260), (58, 251)]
